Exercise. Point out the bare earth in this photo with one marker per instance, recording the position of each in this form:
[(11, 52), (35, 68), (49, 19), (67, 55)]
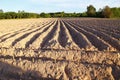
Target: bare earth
[(60, 49)]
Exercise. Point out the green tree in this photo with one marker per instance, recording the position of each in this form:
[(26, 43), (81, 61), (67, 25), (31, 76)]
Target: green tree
[(7, 16), (115, 12), (84, 14), (62, 14), (107, 13), (2, 16), (45, 15), (99, 13), (1, 11), (11, 15), (91, 11)]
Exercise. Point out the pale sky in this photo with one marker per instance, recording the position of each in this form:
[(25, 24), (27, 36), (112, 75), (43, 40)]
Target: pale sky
[(39, 6)]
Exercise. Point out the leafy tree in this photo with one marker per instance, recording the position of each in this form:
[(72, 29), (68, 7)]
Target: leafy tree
[(107, 13), (91, 11), (7, 16), (1, 11), (10, 15), (2, 16), (115, 12), (75, 14), (99, 13), (59, 14), (45, 15), (84, 14), (62, 14)]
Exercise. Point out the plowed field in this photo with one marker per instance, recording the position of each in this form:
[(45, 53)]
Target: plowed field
[(63, 49)]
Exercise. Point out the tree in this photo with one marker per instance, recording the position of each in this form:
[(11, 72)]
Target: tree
[(10, 15), (91, 11), (2, 16), (1, 11), (115, 12), (107, 13), (99, 13), (62, 14), (45, 15), (84, 14)]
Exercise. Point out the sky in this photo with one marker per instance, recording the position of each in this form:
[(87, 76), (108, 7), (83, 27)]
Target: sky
[(39, 6)]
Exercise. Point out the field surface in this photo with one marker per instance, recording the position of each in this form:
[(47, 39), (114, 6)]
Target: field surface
[(61, 49)]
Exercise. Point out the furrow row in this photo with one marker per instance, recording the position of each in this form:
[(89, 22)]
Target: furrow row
[(79, 38), (42, 39), (27, 29), (95, 40), (112, 41), (65, 38), (12, 40), (62, 34), (26, 41)]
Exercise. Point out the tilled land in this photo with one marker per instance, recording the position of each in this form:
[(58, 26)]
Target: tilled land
[(60, 49)]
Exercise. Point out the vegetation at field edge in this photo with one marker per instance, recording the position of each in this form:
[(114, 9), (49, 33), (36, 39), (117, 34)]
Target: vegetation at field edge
[(106, 12)]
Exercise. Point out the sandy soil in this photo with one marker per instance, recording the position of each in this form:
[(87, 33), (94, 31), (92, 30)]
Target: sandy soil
[(60, 49)]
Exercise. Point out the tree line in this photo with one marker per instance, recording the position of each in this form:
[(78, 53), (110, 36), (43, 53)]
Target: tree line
[(18, 15), (106, 12)]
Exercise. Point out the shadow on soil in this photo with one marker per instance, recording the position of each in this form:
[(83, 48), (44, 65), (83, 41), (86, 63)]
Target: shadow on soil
[(10, 72)]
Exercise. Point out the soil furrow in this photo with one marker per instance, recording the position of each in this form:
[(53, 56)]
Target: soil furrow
[(65, 39), (11, 41), (23, 43), (96, 41), (80, 39), (52, 42), (26, 34), (112, 41), (10, 35), (111, 33), (48, 37), (37, 43), (35, 36), (107, 28), (116, 36)]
